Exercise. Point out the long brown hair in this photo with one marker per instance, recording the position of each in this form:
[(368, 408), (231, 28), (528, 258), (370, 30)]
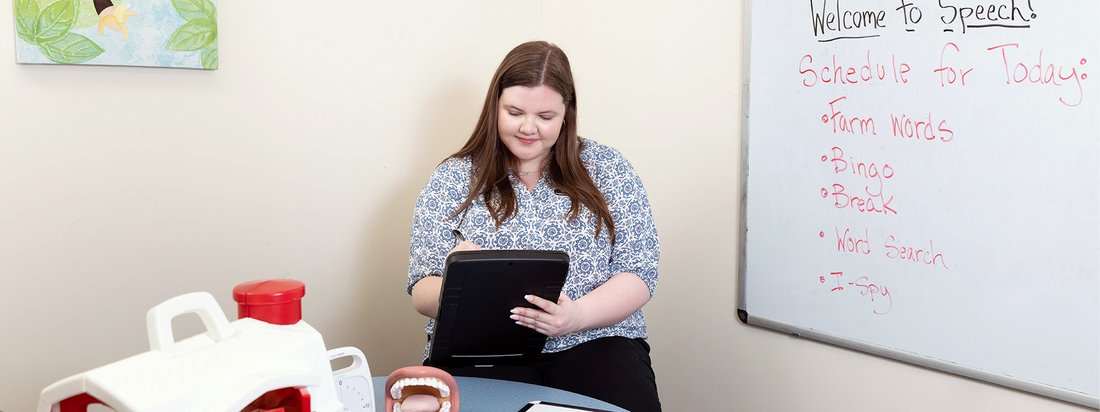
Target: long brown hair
[(531, 64)]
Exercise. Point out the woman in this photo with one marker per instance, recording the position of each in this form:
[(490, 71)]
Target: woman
[(525, 180)]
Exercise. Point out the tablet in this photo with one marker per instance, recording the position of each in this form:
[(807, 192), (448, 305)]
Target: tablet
[(480, 288)]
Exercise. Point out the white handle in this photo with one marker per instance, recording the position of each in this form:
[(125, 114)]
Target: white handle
[(159, 319), (358, 361)]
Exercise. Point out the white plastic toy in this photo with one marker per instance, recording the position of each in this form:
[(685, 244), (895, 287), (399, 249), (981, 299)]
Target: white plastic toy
[(269, 358)]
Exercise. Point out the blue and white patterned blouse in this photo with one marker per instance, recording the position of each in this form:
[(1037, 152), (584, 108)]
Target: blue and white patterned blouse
[(541, 223)]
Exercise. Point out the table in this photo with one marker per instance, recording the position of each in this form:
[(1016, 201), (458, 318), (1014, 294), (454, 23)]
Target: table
[(492, 395)]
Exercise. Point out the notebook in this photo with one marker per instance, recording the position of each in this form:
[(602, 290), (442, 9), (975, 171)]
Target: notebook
[(544, 406)]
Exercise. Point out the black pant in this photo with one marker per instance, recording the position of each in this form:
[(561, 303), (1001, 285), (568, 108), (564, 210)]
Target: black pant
[(615, 370)]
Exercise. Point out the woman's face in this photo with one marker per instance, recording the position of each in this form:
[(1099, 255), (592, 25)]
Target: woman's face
[(529, 120)]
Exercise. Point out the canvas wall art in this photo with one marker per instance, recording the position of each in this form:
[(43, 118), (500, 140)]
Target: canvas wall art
[(151, 33)]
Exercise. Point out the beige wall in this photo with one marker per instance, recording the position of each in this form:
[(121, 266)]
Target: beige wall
[(302, 156)]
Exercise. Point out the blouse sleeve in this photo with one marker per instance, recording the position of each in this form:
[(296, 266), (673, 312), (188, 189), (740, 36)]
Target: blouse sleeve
[(637, 247), (431, 238)]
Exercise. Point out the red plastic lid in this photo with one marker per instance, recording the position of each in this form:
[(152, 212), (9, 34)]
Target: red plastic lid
[(277, 301), (269, 292)]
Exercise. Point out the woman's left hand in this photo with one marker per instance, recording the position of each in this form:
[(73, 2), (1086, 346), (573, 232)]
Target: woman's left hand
[(555, 319)]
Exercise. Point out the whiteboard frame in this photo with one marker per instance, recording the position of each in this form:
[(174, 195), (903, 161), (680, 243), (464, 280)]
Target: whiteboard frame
[(921, 360), (836, 340)]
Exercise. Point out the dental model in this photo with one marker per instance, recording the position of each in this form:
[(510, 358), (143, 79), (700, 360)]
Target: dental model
[(421, 389)]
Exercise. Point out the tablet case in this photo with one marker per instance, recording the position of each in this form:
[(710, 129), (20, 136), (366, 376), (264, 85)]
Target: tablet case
[(479, 289)]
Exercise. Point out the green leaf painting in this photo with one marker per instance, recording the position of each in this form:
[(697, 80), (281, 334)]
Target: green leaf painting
[(86, 16), (194, 9), (200, 32), (49, 28), (154, 33), (54, 21), (193, 35), (26, 12), (71, 48), (210, 57)]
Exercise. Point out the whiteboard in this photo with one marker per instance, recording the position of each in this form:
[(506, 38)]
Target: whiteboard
[(922, 182)]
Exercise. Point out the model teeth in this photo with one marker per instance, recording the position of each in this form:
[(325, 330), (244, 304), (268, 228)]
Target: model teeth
[(399, 386), (445, 407)]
